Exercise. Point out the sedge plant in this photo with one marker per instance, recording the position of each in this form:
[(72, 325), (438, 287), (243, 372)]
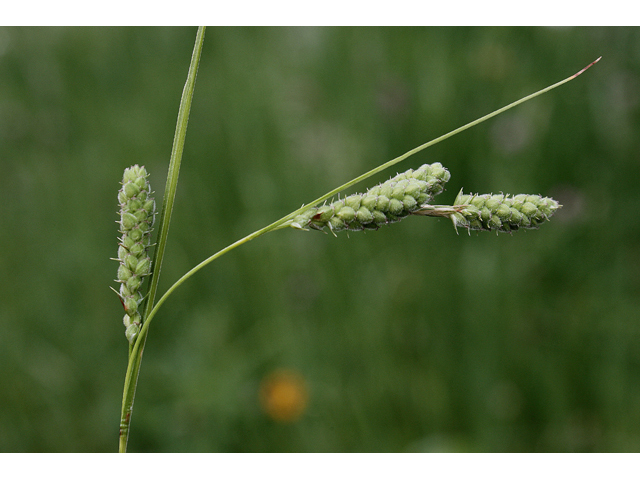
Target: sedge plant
[(408, 193)]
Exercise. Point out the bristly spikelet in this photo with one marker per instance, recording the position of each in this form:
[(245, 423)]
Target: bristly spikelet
[(388, 202), (502, 213), (137, 213)]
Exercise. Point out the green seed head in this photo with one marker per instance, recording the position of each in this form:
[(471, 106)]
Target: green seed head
[(502, 212), (137, 214), (385, 203)]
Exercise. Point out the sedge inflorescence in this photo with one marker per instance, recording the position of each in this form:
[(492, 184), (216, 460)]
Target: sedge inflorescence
[(502, 213), (411, 193), (137, 213), (385, 203)]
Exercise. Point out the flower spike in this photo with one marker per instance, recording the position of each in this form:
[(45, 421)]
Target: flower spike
[(500, 213), (388, 202), (137, 213)]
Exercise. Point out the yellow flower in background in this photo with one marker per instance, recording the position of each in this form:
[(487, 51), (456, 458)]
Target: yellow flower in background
[(284, 395)]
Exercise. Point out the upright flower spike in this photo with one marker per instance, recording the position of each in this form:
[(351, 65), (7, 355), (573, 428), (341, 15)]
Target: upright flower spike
[(388, 202), (137, 213)]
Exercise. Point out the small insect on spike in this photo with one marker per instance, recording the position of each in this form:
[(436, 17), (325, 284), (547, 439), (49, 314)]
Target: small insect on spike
[(137, 214)]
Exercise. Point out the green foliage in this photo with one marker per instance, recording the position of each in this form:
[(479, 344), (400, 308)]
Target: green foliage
[(411, 338)]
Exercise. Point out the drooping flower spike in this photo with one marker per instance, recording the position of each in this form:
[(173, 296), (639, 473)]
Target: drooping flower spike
[(500, 213), (411, 192), (137, 214), (385, 203)]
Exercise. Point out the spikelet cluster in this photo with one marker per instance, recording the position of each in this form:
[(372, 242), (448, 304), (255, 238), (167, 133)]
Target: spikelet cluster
[(385, 203), (502, 213), (137, 213)]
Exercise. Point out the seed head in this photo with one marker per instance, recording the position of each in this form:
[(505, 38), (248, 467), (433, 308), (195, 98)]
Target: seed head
[(502, 213), (388, 202), (137, 214)]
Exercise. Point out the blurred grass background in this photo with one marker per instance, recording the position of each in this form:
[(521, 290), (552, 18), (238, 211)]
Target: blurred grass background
[(411, 338)]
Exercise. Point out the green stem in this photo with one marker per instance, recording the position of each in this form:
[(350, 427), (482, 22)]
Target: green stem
[(135, 353)]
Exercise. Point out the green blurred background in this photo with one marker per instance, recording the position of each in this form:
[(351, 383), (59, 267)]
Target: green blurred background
[(411, 338)]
